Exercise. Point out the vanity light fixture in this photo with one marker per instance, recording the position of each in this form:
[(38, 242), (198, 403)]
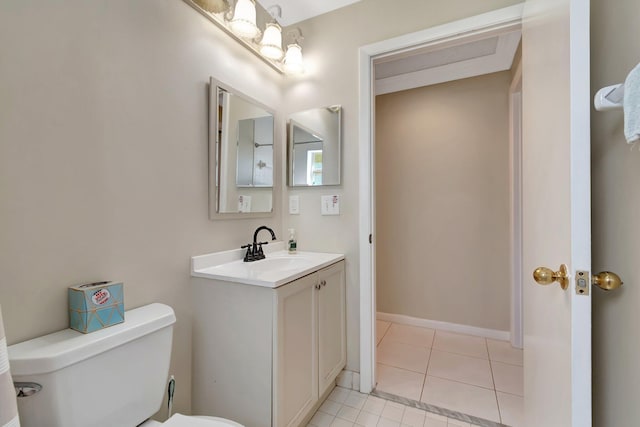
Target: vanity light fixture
[(243, 22), (271, 43), (238, 20), (214, 6), (292, 61)]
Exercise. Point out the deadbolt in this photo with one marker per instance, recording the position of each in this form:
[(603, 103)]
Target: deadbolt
[(546, 276)]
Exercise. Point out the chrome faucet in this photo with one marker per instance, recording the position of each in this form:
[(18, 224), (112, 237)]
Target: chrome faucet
[(254, 250)]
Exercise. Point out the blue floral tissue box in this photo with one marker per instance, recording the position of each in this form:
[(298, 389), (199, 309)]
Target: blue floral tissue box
[(95, 306)]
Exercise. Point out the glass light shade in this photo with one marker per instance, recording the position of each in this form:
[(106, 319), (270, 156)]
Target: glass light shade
[(213, 6), (271, 44), (244, 19), (293, 59)]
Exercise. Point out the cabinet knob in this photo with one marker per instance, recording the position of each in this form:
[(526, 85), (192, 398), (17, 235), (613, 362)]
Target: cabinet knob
[(317, 286), (323, 283)]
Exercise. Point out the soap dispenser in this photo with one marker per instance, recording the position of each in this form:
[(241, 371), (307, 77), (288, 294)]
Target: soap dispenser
[(292, 244)]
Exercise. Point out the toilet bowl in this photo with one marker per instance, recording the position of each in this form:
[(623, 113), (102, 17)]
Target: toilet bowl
[(116, 376), (179, 420)]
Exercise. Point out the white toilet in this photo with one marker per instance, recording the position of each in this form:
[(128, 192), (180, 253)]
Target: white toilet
[(115, 377)]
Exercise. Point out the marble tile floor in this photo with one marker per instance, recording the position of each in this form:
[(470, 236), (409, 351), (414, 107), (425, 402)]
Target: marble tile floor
[(432, 378), (349, 408), (466, 374)]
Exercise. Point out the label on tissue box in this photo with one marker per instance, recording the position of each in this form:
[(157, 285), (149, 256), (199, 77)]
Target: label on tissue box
[(94, 306)]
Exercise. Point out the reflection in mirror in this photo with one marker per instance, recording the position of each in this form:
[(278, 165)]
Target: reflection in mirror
[(315, 146), (241, 154)]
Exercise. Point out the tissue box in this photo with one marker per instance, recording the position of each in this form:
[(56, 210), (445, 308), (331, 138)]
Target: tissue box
[(95, 306)]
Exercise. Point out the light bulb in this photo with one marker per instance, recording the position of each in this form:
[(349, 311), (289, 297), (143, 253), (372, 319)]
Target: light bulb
[(271, 44), (293, 59), (244, 19)]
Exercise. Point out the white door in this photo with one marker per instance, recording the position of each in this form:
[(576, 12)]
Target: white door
[(556, 211)]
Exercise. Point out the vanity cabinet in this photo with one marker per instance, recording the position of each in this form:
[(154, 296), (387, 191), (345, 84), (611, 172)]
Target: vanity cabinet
[(310, 342), (264, 357)]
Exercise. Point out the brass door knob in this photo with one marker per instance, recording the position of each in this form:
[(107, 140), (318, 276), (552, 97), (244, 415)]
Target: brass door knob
[(607, 281), (546, 276)]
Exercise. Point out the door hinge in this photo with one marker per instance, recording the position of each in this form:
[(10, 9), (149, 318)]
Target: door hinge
[(370, 238)]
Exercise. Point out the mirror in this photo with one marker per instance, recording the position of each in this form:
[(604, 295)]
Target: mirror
[(314, 147), (240, 155)]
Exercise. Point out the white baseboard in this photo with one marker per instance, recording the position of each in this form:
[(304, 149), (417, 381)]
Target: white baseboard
[(348, 379), (444, 326)]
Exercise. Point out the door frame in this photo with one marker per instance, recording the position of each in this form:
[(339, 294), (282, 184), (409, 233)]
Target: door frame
[(502, 19), (515, 190)]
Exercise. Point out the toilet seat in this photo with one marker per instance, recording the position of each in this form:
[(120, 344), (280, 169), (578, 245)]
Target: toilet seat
[(179, 420)]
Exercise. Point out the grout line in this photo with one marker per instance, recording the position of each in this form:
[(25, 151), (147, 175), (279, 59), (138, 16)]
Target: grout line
[(495, 392), (402, 369), (507, 363), (510, 394), (424, 380), (424, 383), (462, 382), (498, 405), (493, 381), (385, 333), (461, 354)]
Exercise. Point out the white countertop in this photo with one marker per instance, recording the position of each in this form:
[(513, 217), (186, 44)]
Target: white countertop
[(279, 267)]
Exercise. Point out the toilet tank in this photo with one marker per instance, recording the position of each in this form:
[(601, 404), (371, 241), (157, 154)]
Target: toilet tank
[(113, 377)]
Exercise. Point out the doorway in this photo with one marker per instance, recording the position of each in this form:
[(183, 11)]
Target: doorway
[(473, 31), (447, 318)]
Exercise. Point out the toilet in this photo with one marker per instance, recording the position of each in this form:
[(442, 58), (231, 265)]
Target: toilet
[(116, 376)]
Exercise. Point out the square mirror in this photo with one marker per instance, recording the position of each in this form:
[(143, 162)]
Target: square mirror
[(315, 144)]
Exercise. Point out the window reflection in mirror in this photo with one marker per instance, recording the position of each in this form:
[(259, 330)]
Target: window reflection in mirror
[(314, 147), (241, 154)]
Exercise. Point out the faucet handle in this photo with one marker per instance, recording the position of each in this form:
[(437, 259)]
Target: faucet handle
[(260, 253), (249, 255)]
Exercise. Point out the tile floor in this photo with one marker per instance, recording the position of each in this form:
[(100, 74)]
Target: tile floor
[(476, 376), (349, 408)]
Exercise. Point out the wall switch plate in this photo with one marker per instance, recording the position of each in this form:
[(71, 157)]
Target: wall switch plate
[(330, 205), (294, 205)]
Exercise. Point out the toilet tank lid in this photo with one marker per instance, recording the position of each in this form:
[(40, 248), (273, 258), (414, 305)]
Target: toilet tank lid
[(58, 350)]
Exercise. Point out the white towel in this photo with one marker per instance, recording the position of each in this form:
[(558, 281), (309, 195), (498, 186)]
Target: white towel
[(632, 106), (8, 404)]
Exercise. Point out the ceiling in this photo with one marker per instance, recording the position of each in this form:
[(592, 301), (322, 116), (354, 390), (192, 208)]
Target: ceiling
[(294, 11), (423, 67)]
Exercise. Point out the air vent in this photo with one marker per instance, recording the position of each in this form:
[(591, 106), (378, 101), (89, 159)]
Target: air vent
[(438, 58)]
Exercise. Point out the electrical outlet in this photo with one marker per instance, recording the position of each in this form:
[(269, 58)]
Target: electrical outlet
[(330, 205)]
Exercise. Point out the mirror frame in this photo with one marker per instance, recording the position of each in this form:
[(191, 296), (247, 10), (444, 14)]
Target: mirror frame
[(290, 148), (214, 154)]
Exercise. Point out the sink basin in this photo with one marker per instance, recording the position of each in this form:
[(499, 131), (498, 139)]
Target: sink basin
[(279, 263), (279, 267)]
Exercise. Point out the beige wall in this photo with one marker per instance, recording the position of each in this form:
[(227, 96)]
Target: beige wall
[(331, 54), (615, 50), (103, 156), (442, 202)]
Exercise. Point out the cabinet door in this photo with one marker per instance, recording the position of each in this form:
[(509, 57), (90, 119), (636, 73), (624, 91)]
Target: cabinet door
[(295, 370), (332, 341)]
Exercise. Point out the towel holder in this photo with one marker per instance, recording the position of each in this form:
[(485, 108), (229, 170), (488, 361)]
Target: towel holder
[(609, 97)]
